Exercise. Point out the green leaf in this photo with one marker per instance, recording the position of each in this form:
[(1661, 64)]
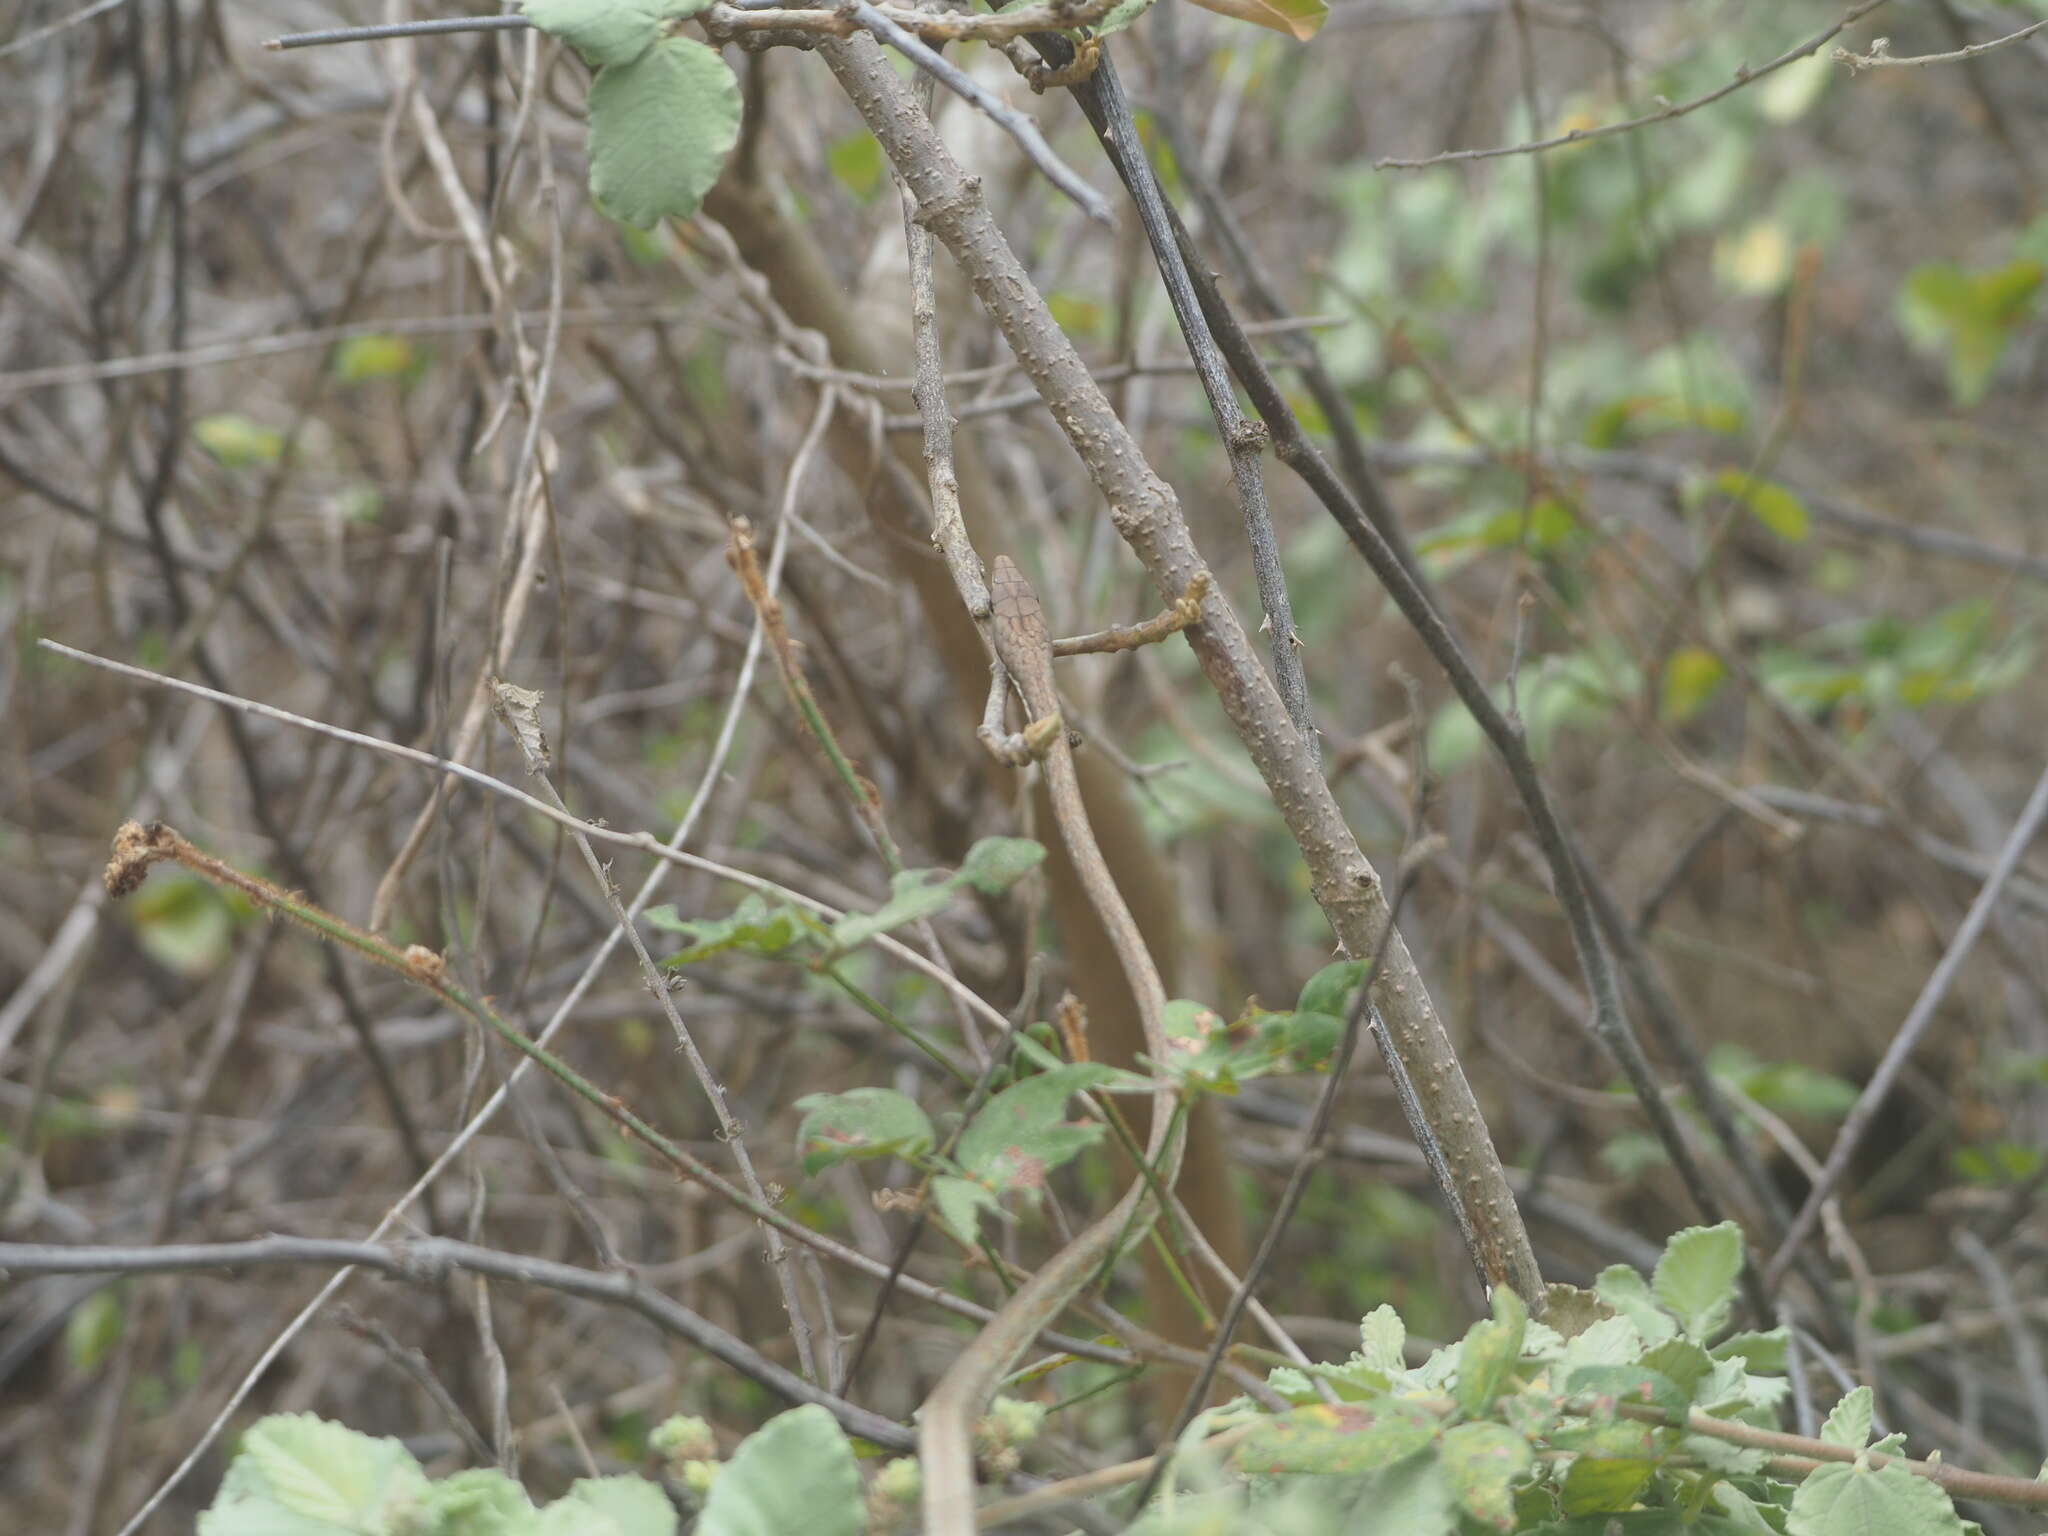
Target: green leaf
[(856, 161), (1330, 990), (1022, 1134), (1610, 1341), (1785, 1087), (1614, 1439), (1856, 1499), (1382, 1339), (1489, 1352), (479, 1501), (237, 442), (994, 864), (93, 1328), (1119, 17), (661, 127), (1640, 416), (1630, 1384), (1411, 1498), (364, 359), (1598, 1485), (794, 1474), (1480, 1462), (1681, 1362), (913, 894), (295, 1474), (1346, 1439), (754, 926), (1970, 316), (1768, 502), (1625, 1291), (622, 1506), (1849, 1423), (1762, 1351), (1695, 1278), (183, 923), (608, 31), (1692, 675), (862, 1122), (959, 1203)]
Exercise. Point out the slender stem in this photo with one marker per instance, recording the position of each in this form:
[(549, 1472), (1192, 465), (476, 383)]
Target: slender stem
[(423, 1261)]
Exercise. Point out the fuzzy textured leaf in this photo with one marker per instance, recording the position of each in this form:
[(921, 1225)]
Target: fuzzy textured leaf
[(1850, 1420), (1857, 1499), (795, 1473), (1695, 1279), (661, 127), (1489, 1352), (479, 1501), (296, 1474), (1382, 1336), (614, 1506), (608, 31)]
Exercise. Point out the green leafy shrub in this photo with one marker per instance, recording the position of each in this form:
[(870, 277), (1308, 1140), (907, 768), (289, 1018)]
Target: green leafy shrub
[(1631, 1408)]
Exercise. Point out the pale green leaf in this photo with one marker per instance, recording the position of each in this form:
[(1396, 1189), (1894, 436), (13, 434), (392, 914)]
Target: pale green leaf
[(1489, 1352), (796, 1474), (1762, 1351), (1849, 1422), (480, 1501), (1789, 92), (614, 1506), (994, 864), (1630, 1384), (94, 1328), (1695, 1278), (305, 1474), (608, 32), (1856, 1499), (959, 1203), (913, 894), (1626, 1292), (1610, 1341), (1680, 1361), (661, 127), (1411, 1498), (1382, 1337)]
